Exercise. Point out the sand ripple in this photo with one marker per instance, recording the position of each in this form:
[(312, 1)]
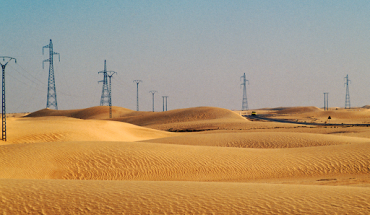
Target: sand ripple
[(124, 197)]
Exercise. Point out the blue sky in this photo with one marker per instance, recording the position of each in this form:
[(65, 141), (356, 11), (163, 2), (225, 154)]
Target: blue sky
[(192, 51)]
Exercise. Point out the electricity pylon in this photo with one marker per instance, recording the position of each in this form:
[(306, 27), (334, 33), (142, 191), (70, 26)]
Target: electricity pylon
[(110, 93), (3, 110), (245, 102), (52, 93), (164, 97), (153, 92), (104, 100), (348, 103), (326, 98), (137, 93)]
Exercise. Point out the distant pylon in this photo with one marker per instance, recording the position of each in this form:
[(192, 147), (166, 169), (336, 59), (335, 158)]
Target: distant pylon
[(104, 100), (110, 92), (137, 93), (153, 92), (164, 97), (326, 102), (348, 103), (3, 110), (245, 101), (52, 93)]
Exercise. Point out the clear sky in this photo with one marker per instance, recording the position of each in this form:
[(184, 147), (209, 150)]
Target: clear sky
[(193, 51)]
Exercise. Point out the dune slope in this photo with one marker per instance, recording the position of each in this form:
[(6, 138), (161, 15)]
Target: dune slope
[(259, 139), (57, 129), (164, 162), (97, 112), (118, 197)]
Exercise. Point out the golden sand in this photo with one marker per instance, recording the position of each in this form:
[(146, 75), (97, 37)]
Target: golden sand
[(82, 162)]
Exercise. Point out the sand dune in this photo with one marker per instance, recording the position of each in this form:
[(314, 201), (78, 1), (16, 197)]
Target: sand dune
[(260, 139), (182, 115), (165, 162), (313, 114), (52, 129), (118, 197), (295, 110), (98, 112), (81, 162)]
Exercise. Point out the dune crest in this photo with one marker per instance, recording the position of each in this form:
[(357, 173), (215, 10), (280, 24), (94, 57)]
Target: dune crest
[(58, 129), (97, 112), (180, 116)]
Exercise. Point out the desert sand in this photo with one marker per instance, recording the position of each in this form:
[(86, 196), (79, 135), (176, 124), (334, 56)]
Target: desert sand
[(200, 160)]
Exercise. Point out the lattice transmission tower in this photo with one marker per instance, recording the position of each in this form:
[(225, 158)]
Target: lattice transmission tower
[(347, 103), (104, 100), (137, 93), (3, 110), (52, 93), (245, 101), (110, 92), (153, 92)]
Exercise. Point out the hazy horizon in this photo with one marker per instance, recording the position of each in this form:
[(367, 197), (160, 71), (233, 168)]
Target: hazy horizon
[(192, 51)]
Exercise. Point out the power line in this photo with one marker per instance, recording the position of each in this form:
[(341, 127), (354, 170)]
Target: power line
[(38, 80)]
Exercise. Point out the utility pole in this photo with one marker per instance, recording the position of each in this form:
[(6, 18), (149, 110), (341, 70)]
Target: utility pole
[(347, 103), (110, 92), (164, 97), (3, 110), (137, 93), (326, 98), (153, 92), (52, 93), (245, 102), (104, 100)]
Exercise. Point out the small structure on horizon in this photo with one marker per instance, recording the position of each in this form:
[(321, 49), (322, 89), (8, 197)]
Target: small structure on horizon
[(164, 97), (245, 101), (153, 92), (347, 104), (137, 93), (326, 101)]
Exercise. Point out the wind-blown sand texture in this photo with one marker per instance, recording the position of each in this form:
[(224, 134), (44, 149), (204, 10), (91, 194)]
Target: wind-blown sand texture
[(82, 162)]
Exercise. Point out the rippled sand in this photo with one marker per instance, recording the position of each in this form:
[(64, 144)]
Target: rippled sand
[(81, 162)]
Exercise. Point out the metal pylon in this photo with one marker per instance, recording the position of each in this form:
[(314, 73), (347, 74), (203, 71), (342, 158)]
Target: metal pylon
[(52, 93), (347, 103), (245, 101), (153, 92), (326, 101), (110, 93), (104, 100), (137, 93), (3, 110), (164, 97)]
